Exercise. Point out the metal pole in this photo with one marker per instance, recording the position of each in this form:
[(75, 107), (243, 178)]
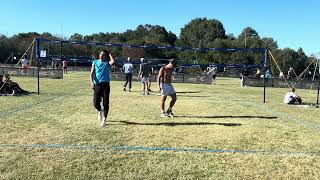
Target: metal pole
[(61, 56), (318, 80), (318, 91), (61, 50), (245, 39), (38, 76), (12, 57), (264, 77), (38, 58)]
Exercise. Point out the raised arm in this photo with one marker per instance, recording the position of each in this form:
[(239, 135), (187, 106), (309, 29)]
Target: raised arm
[(111, 62)]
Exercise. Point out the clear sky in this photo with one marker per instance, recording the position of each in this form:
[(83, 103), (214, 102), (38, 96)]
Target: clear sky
[(292, 23)]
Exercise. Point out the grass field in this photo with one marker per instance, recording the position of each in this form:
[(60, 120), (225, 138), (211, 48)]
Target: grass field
[(222, 131)]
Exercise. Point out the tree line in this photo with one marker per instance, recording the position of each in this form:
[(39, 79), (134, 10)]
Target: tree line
[(198, 33)]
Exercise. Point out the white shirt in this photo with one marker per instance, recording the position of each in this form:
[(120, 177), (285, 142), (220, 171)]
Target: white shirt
[(289, 96), (24, 62), (212, 71), (281, 75), (128, 68)]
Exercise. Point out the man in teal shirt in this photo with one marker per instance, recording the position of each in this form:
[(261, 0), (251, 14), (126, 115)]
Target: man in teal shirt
[(100, 83)]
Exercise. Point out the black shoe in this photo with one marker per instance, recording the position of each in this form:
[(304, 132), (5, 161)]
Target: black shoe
[(124, 89), (169, 113)]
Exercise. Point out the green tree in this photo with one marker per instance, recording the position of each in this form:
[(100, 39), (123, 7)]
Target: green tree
[(76, 37), (249, 38), (201, 32), (270, 43), (287, 58), (248, 32)]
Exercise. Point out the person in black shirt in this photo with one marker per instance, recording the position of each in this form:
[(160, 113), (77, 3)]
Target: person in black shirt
[(144, 74)]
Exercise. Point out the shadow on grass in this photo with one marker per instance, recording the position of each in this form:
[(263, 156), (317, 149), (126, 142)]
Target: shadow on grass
[(23, 94), (136, 92), (221, 117), (306, 105), (187, 92), (193, 96), (132, 91), (177, 124)]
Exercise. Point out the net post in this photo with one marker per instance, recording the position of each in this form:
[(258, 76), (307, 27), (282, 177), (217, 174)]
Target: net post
[(37, 41), (61, 50), (264, 77), (318, 91)]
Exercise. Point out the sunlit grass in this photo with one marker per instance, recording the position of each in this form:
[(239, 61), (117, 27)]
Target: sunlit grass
[(281, 141)]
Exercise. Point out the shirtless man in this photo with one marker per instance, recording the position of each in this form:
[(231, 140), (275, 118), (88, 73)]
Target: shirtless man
[(166, 88)]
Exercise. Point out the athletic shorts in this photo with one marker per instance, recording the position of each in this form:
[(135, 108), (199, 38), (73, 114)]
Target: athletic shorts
[(145, 79), (214, 76), (167, 89)]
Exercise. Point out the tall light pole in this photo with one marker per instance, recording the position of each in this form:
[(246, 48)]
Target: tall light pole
[(245, 39)]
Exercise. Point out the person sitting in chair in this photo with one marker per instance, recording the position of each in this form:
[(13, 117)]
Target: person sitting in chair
[(258, 73), (292, 98), (290, 73), (281, 75)]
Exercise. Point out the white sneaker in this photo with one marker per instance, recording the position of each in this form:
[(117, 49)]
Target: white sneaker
[(103, 122), (163, 115)]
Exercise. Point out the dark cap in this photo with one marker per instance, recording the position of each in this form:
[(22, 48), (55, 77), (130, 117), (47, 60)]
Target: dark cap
[(105, 51), (173, 61)]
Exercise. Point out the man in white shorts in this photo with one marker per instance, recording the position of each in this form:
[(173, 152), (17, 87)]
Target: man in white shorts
[(166, 88)]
